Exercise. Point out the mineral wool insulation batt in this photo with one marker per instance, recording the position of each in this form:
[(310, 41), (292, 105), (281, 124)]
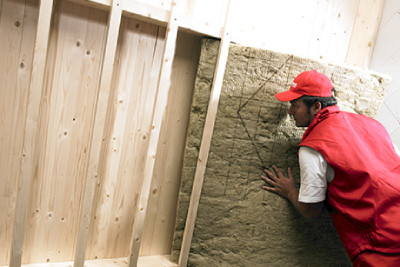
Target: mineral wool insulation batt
[(238, 224)]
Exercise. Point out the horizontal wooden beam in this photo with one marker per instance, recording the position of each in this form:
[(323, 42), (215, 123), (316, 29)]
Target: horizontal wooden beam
[(99, 4), (157, 15), (203, 28), (145, 261), (146, 11)]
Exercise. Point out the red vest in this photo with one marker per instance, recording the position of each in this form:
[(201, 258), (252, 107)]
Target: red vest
[(365, 191)]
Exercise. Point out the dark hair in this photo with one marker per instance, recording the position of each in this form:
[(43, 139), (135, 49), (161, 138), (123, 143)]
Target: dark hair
[(325, 101)]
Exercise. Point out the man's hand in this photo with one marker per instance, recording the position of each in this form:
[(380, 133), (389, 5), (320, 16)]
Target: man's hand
[(284, 186)]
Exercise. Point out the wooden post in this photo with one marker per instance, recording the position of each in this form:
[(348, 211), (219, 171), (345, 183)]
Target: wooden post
[(29, 160), (362, 39), (100, 129), (160, 107), (205, 143)]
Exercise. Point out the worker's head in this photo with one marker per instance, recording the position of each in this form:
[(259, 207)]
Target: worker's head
[(310, 92)]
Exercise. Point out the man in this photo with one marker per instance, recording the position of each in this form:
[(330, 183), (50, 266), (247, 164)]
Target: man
[(348, 162)]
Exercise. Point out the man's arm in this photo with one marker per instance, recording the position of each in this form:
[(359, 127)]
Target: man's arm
[(286, 187)]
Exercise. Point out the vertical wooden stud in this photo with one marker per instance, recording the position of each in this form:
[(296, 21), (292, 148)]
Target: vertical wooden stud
[(100, 129), (205, 143), (29, 160), (160, 107), (17, 36), (365, 31)]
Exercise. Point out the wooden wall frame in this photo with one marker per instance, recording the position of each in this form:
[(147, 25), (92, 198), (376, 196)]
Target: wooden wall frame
[(100, 131), (173, 18), (29, 159), (161, 104), (205, 143)]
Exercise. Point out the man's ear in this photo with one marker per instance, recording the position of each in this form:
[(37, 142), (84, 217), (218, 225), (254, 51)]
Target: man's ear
[(316, 107)]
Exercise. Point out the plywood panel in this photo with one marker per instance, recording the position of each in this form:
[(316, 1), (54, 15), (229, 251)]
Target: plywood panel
[(138, 56), (29, 159), (364, 34), (72, 75), (207, 12), (100, 130), (160, 216), (332, 29), (10, 36), (160, 105), (160, 3), (17, 37), (314, 29)]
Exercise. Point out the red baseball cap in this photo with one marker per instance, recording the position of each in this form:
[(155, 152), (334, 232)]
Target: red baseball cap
[(311, 83)]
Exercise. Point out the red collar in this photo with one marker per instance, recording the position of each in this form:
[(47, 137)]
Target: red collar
[(320, 116)]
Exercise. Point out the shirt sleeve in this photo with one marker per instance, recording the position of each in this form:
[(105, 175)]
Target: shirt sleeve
[(313, 175)]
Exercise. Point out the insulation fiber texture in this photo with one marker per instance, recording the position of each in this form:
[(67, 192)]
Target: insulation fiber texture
[(239, 224)]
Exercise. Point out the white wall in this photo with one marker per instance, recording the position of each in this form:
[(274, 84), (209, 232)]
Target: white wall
[(386, 59)]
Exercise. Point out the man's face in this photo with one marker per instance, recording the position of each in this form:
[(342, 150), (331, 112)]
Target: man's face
[(300, 113)]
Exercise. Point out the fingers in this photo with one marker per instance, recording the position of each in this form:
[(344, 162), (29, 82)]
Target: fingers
[(277, 182), (279, 174), (277, 171), (269, 173), (268, 180), (272, 189)]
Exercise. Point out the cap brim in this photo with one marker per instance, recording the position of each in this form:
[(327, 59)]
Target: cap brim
[(287, 96)]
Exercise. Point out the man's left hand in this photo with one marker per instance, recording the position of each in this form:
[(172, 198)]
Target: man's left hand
[(284, 186)]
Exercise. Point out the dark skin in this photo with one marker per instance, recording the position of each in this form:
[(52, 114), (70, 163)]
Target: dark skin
[(286, 186)]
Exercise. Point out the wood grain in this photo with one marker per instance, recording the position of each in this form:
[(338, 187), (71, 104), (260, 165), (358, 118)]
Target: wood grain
[(68, 178), (365, 31), (17, 35), (205, 142), (99, 126), (139, 57), (29, 159), (159, 112), (160, 218), (67, 108)]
